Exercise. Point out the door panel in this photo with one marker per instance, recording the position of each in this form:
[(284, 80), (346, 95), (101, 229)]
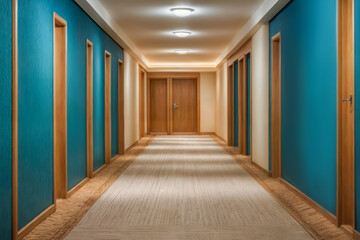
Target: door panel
[(158, 106), (184, 95)]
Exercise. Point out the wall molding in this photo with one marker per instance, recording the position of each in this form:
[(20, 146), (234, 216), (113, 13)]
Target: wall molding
[(77, 187), (311, 202), (36, 221), (356, 235), (268, 173)]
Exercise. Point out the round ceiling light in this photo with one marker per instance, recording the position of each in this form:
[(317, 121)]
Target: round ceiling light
[(181, 51), (182, 12), (182, 34)]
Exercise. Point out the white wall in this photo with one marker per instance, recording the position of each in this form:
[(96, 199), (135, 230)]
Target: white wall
[(221, 103), (131, 100), (260, 97), (207, 102)]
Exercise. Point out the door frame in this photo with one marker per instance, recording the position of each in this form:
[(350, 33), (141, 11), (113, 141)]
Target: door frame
[(345, 209), (241, 53), (275, 99), (89, 107), (142, 97), (242, 103), (170, 76), (59, 20), (121, 113), (107, 106)]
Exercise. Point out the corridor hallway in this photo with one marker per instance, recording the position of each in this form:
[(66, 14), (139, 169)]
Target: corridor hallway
[(186, 188)]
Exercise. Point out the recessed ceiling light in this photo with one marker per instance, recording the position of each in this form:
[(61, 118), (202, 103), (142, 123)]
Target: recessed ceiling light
[(182, 12), (181, 51), (182, 34)]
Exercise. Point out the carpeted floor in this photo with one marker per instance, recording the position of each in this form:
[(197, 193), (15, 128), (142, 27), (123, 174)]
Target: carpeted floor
[(186, 188)]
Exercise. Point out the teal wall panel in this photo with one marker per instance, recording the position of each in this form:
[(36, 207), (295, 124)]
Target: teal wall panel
[(309, 90), (36, 98), (5, 118), (357, 112), (236, 102)]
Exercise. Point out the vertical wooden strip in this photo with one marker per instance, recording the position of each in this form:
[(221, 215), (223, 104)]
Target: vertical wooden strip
[(14, 119), (198, 104), (107, 94), (148, 125), (89, 107), (276, 106), (60, 107), (230, 106), (121, 139), (346, 116), (169, 106), (141, 102)]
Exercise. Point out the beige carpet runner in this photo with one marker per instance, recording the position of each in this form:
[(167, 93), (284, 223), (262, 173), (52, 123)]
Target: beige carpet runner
[(187, 188)]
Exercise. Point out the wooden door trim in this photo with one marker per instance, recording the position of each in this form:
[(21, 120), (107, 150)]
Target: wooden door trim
[(170, 76), (89, 106), (169, 108), (275, 96), (107, 108), (242, 104), (15, 125), (230, 105), (142, 83), (345, 141), (244, 50), (121, 114), (60, 21)]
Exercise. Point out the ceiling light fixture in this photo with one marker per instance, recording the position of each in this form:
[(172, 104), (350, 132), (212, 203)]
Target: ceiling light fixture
[(181, 51), (182, 34), (182, 12)]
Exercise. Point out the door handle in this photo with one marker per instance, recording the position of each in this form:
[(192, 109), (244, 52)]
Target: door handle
[(348, 99), (175, 106)]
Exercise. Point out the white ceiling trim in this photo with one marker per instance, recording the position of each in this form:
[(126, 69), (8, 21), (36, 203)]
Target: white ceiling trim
[(100, 15), (263, 14)]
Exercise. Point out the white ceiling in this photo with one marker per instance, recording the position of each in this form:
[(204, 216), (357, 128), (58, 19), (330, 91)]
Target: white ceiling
[(149, 24)]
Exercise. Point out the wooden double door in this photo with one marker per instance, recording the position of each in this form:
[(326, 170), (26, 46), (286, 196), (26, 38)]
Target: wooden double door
[(173, 103)]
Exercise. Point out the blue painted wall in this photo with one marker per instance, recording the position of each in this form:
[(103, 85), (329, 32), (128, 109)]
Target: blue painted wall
[(236, 103), (248, 105), (357, 112), (309, 80), (36, 99), (5, 118)]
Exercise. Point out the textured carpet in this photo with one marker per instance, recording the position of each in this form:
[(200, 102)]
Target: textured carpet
[(186, 188)]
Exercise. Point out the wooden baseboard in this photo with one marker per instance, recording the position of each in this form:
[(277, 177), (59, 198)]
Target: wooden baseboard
[(36, 221), (76, 188), (207, 133), (132, 145), (220, 138), (99, 170), (309, 201), (114, 158), (268, 173), (356, 235)]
